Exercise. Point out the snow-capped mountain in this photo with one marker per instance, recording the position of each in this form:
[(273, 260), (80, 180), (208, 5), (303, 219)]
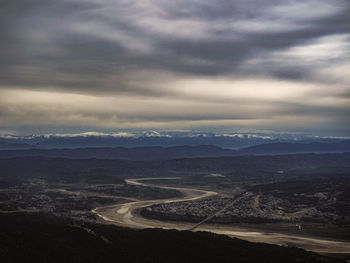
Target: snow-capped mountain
[(232, 140)]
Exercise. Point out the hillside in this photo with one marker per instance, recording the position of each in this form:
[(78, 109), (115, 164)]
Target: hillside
[(42, 238), (284, 148), (178, 152), (139, 153)]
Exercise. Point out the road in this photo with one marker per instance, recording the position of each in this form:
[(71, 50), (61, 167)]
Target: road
[(125, 215)]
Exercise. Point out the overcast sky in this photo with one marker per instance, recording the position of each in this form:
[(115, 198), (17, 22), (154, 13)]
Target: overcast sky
[(82, 65)]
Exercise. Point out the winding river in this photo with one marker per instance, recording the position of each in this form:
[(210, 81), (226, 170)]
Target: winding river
[(125, 215)]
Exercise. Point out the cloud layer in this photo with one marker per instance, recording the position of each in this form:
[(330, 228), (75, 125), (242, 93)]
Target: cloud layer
[(165, 64)]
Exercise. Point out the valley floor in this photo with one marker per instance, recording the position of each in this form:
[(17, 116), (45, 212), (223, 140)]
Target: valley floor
[(128, 214)]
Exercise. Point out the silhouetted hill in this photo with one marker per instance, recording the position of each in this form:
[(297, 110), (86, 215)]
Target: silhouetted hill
[(283, 148), (84, 142), (140, 153), (42, 238), (178, 152), (75, 170), (261, 164), (4, 145)]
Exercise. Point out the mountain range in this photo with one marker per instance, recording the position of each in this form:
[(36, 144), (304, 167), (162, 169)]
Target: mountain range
[(177, 152), (154, 138)]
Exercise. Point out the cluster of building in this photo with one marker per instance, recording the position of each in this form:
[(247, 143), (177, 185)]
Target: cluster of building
[(247, 208)]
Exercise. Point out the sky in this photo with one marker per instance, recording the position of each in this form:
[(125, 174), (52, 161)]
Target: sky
[(102, 65)]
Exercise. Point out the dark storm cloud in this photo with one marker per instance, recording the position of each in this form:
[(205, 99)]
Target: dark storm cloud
[(49, 36), (190, 51)]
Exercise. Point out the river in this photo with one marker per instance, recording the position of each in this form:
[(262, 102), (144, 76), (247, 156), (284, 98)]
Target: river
[(125, 215)]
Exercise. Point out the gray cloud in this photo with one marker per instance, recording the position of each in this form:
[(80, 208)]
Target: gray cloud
[(153, 49), (101, 36)]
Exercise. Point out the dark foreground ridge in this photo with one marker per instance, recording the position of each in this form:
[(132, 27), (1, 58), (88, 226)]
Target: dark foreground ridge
[(177, 152), (41, 238)]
